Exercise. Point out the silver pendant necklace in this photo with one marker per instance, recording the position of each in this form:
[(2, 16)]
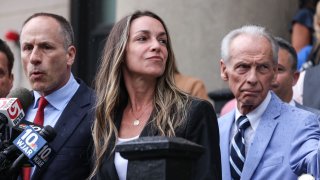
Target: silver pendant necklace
[(137, 119)]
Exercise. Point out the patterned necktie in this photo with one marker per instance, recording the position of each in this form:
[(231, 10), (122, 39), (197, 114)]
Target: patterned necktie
[(38, 120), (237, 153)]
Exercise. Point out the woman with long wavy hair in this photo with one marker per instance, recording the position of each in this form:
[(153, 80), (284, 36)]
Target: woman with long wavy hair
[(137, 97)]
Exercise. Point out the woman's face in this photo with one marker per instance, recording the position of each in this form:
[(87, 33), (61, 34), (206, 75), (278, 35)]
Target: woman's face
[(146, 51)]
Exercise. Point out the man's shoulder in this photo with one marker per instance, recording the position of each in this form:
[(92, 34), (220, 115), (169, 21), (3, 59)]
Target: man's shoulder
[(290, 110), (313, 110), (84, 94), (83, 84), (84, 88), (313, 70), (297, 115)]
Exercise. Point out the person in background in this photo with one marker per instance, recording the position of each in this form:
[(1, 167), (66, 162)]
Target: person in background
[(287, 75), (66, 103), (137, 97), (302, 24), (262, 137), (190, 85), (6, 65), (310, 55), (287, 71), (305, 90)]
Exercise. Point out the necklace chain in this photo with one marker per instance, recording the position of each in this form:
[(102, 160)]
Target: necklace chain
[(137, 119)]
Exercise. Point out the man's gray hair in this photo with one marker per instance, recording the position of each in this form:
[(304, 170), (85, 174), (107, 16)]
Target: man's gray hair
[(250, 30)]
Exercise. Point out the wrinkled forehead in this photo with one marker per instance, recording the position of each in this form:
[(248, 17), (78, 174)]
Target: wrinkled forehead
[(250, 45)]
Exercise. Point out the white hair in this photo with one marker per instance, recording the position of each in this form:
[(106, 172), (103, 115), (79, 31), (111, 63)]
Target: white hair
[(250, 30)]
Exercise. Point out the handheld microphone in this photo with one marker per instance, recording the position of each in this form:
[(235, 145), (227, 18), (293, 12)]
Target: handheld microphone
[(24, 123), (34, 146), (19, 128), (6, 155), (12, 108), (12, 111)]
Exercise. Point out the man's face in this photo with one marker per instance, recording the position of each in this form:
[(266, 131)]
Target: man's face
[(286, 78), (249, 71), (6, 78), (46, 61)]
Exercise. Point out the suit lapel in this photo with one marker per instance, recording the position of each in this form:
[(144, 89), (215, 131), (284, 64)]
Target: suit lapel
[(262, 137), (109, 169), (68, 121), (70, 118), (225, 125)]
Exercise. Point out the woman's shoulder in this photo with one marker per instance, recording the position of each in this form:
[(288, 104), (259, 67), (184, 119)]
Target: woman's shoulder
[(201, 116), (200, 107), (199, 102)]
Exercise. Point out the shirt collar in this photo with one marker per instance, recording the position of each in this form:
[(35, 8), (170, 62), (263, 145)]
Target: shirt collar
[(255, 115), (292, 103), (60, 97)]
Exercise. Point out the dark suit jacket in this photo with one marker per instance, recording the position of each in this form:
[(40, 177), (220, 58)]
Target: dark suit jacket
[(311, 87), (201, 128), (73, 143)]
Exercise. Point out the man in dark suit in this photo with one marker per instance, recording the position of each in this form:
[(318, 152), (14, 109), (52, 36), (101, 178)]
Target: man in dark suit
[(288, 75), (47, 54), (262, 137)]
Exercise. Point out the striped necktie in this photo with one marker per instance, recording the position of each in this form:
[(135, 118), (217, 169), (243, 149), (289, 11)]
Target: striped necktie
[(237, 153)]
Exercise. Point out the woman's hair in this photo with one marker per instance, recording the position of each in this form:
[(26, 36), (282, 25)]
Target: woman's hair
[(169, 102)]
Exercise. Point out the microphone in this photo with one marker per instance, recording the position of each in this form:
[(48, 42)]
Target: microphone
[(6, 155), (19, 128), (12, 111), (24, 95), (23, 124), (34, 147), (11, 158), (12, 108), (10, 151)]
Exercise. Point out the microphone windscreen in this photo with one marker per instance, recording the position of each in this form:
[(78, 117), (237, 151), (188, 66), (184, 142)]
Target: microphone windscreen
[(48, 133), (24, 95)]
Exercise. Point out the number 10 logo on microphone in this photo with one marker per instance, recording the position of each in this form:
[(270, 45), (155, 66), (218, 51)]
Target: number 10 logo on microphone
[(34, 146)]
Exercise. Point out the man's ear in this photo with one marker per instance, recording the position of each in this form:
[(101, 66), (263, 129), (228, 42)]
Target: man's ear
[(71, 54), (223, 71), (296, 76)]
